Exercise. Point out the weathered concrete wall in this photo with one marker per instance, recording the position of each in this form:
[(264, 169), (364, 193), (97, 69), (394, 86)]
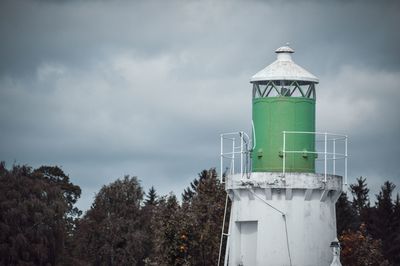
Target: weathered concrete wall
[(287, 220)]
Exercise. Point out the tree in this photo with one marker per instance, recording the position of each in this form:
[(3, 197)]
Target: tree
[(149, 217), (345, 214), (35, 215), (111, 232), (71, 194), (168, 233), (151, 197), (360, 202), (359, 249), (360, 194), (382, 218), (204, 214), (394, 248), (190, 191), (190, 234)]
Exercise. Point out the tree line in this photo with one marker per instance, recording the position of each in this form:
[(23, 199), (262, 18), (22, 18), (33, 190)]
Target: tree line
[(370, 235), (40, 224)]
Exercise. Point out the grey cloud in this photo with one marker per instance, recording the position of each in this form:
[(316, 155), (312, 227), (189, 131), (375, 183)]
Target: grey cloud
[(145, 88), (210, 32)]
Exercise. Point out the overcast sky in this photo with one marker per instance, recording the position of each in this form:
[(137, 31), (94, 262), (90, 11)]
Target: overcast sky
[(109, 88)]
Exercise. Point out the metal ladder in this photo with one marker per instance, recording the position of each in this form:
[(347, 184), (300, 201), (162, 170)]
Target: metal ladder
[(223, 234)]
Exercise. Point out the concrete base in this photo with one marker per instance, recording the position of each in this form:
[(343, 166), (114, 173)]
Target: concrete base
[(278, 220)]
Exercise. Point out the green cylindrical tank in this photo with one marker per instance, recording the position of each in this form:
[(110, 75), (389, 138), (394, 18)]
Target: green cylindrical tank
[(283, 100), (272, 116)]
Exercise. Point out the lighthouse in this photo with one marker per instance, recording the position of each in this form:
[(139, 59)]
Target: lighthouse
[(284, 178)]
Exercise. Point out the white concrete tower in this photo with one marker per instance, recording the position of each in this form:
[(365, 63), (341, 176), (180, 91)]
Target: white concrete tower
[(283, 209)]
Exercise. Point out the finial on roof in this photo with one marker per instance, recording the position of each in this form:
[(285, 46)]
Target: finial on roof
[(283, 68), (284, 49)]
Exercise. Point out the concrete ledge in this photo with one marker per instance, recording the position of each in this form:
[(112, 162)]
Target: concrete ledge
[(275, 180)]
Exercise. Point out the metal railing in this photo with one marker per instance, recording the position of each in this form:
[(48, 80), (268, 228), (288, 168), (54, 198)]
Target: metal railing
[(237, 149), (329, 155)]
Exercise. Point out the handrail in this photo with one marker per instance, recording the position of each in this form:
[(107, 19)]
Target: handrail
[(328, 156), (242, 150), (239, 143)]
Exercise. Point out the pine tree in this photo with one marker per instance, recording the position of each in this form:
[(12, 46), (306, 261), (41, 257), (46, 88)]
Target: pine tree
[(361, 203), (345, 215), (149, 217), (394, 238), (381, 225), (151, 197), (187, 195), (204, 214), (190, 191)]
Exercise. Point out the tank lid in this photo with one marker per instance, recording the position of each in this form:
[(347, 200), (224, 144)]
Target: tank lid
[(283, 68)]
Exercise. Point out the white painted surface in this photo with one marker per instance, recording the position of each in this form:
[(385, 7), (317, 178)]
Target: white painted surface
[(289, 180), (248, 242), (310, 222), (284, 69)]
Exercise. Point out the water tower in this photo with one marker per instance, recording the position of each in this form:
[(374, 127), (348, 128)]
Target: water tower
[(283, 210)]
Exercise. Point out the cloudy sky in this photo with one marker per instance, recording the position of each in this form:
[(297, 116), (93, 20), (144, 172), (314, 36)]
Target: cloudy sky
[(109, 88)]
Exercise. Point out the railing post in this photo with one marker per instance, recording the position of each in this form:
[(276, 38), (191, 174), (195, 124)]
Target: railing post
[(334, 156), (325, 154), (233, 157), (241, 153), (345, 162), (284, 153), (222, 158)]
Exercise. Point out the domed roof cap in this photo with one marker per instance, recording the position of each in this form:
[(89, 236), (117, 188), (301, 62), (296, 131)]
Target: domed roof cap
[(283, 68), (284, 49)]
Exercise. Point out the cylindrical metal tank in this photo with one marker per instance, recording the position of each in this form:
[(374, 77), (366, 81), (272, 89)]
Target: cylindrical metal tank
[(272, 116)]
